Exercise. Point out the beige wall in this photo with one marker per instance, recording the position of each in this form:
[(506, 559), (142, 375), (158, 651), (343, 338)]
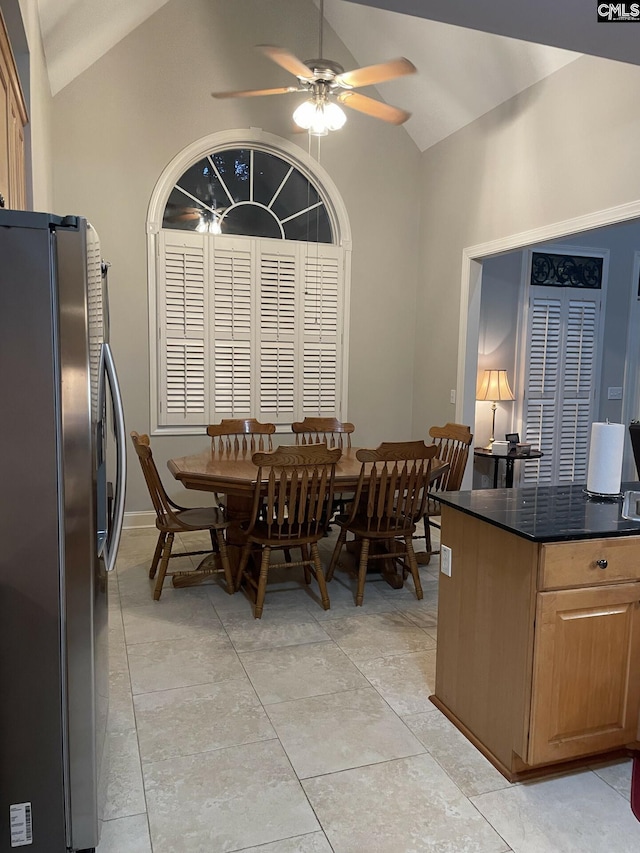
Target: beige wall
[(565, 148), (118, 125)]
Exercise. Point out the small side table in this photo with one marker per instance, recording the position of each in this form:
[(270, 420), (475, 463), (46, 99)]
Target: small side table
[(510, 459)]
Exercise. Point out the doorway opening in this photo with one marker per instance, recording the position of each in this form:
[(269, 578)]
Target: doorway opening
[(616, 229)]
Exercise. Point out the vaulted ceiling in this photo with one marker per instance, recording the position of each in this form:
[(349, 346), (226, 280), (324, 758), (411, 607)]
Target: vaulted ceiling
[(471, 55)]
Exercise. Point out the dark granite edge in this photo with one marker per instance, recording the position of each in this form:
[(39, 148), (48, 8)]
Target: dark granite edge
[(451, 499), (560, 537)]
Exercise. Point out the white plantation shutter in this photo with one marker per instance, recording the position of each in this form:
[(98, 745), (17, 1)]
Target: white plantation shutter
[(186, 382), (573, 441), (322, 328), (249, 328), (544, 348), (277, 381), (579, 376), (560, 382), (182, 313), (319, 389), (580, 348), (539, 432), (232, 321), (232, 379), (277, 300), (542, 386)]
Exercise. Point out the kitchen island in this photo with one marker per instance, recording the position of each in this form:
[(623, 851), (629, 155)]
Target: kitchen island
[(538, 659)]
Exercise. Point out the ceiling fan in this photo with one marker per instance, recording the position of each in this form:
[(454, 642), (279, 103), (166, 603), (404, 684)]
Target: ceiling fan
[(328, 85)]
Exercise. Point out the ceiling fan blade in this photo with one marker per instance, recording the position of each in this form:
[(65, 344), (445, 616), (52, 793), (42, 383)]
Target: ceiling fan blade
[(182, 217), (377, 109), (252, 93), (282, 57), (376, 73)]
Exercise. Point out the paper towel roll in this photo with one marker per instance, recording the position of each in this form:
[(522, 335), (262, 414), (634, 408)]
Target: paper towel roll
[(601, 515), (605, 458)]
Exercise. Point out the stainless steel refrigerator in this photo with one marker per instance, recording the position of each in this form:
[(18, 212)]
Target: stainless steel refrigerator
[(61, 445)]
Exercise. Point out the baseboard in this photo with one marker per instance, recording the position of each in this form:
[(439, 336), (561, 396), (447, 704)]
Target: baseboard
[(139, 519)]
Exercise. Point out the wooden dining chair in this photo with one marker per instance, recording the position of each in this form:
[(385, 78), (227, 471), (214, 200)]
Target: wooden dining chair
[(390, 498), (239, 436), (331, 431), (291, 501), (171, 519), (453, 442)]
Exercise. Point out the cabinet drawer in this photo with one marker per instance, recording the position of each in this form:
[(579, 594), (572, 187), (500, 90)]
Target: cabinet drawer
[(589, 562)]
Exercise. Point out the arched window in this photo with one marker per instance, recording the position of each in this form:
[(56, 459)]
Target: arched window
[(248, 287), (249, 192)]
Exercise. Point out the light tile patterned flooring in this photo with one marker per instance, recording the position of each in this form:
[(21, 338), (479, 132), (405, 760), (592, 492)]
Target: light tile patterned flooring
[(311, 731)]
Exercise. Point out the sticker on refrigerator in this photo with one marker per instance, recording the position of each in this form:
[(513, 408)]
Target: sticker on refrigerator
[(20, 820)]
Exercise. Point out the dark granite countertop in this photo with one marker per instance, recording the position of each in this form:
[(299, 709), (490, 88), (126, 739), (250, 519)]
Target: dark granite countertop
[(547, 513)]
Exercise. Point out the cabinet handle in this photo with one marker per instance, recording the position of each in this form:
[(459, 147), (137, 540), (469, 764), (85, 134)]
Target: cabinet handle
[(602, 564)]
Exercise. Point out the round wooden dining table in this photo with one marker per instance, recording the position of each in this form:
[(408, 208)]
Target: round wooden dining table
[(234, 475)]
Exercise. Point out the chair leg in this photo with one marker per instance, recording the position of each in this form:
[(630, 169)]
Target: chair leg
[(156, 555), (244, 559), (166, 553), (413, 566), (336, 554), (324, 595), (362, 572), (213, 535), (427, 535), (424, 557), (262, 581), (224, 559), (305, 556)]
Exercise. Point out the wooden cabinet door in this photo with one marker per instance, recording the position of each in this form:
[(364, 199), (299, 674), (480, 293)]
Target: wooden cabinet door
[(17, 187), (586, 689), (5, 94), (13, 117)]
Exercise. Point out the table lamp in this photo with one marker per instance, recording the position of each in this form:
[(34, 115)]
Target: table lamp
[(494, 386)]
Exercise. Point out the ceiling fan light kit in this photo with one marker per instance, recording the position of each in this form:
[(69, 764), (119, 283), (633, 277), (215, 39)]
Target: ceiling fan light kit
[(209, 224), (327, 82), (319, 115)]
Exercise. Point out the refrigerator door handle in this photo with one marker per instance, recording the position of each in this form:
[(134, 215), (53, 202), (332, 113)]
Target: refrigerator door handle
[(113, 540)]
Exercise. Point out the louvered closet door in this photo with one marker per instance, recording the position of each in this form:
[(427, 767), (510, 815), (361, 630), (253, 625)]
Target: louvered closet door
[(579, 376), (322, 324), (543, 385), (560, 384), (183, 351), (232, 321)]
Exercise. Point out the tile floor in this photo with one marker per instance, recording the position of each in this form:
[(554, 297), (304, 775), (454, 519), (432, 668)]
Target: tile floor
[(311, 731)]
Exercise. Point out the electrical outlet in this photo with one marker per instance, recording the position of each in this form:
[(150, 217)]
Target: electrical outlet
[(614, 393), (452, 396), (445, 560)]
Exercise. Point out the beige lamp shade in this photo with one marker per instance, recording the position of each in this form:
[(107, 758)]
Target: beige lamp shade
[(494, 385)]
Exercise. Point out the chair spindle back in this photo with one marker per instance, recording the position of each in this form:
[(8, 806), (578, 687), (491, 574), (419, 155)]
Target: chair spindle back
[(329, 431), (453, 442), (159, 498), (239, 437), (294, 490), (393, 485)]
